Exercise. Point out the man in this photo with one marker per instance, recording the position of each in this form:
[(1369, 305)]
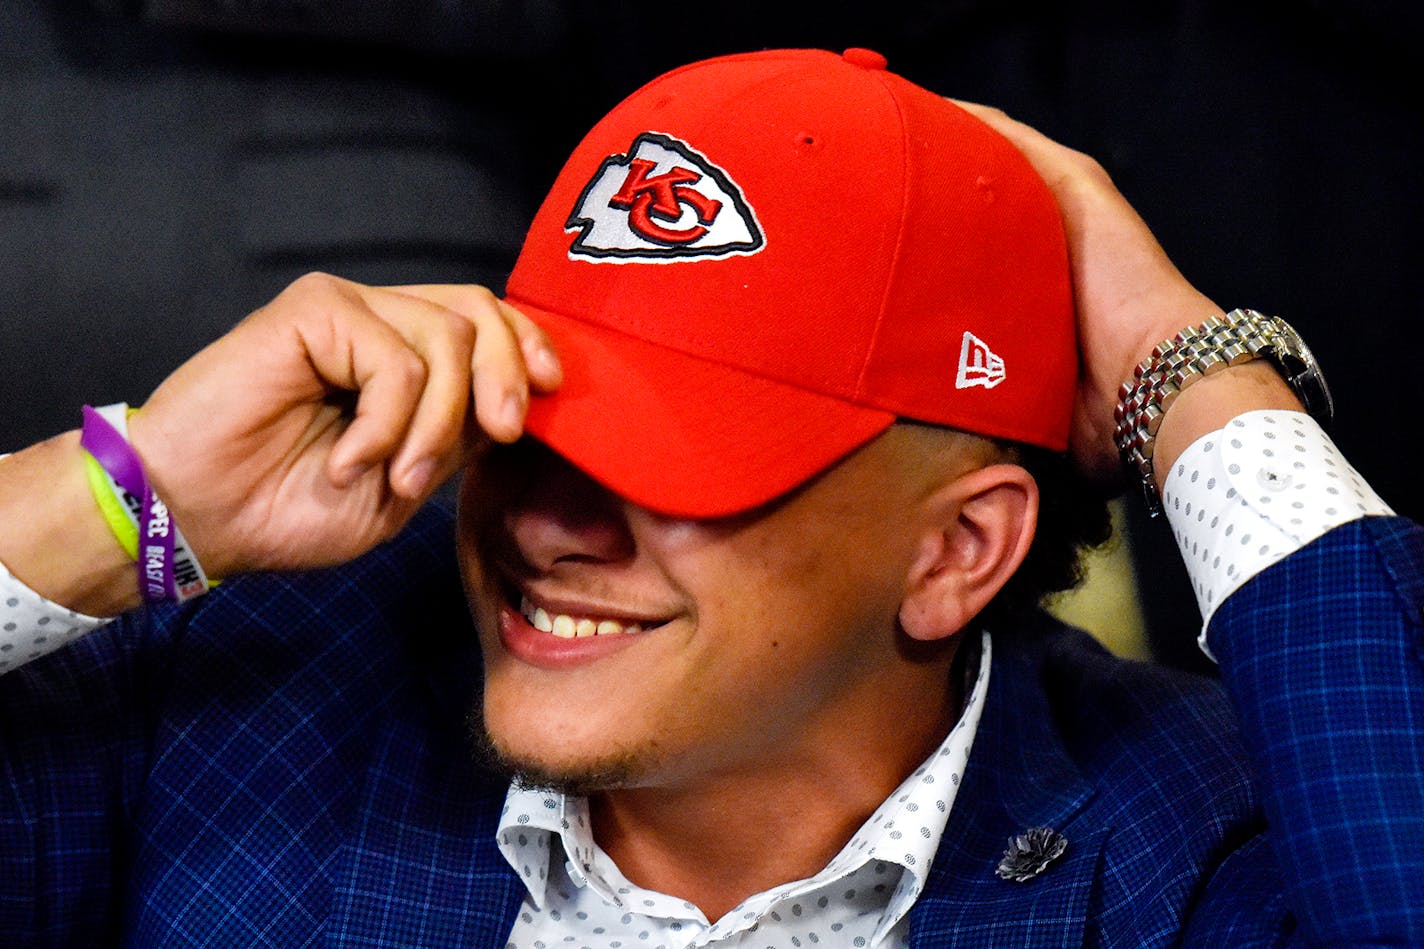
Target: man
[(796, 333)]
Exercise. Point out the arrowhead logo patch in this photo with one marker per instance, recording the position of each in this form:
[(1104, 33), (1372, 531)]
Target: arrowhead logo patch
[(661, 202)]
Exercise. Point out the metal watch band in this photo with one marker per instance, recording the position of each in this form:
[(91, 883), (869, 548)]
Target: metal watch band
[(1175, 364)]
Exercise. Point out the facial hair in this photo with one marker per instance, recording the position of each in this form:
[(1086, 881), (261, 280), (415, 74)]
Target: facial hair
[(618, 770)]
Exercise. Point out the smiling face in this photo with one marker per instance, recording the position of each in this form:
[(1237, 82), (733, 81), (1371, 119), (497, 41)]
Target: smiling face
[(623, 648)]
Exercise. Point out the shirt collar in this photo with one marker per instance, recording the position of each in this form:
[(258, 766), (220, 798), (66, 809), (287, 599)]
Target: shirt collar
[(905, 830)]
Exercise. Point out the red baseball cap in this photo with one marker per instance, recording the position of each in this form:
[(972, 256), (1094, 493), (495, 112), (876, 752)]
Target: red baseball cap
[(756, 263)]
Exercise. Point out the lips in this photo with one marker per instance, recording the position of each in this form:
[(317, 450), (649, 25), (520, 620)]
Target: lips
[(559, 634), (571, 626)]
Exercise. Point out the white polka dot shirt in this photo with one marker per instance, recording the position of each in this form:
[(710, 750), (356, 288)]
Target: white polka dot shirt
[(1244, 497), (576, 896), (31, 626)]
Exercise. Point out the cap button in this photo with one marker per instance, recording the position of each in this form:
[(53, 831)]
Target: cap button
[(865, 58)]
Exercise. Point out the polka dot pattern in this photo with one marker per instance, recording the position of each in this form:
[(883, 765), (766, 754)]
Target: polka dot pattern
[(577, 897), (1244, 497), (31, 626)]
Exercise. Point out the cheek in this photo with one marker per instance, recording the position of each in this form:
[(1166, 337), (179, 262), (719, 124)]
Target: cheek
[(791, 619), (839, 566)]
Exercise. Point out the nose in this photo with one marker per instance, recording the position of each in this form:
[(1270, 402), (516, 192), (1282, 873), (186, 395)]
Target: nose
[(556, 514)]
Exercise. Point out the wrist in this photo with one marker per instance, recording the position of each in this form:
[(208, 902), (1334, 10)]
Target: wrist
[(56, 541), (1213, 402), (136, 514), (1195, 355)]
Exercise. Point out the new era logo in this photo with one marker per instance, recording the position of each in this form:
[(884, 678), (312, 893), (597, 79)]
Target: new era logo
[(662, 201), (978, 366)]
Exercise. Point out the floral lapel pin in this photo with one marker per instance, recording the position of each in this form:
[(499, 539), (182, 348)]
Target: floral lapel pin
[(1030, 853)]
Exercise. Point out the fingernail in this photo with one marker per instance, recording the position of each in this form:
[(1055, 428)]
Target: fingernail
[(511, 411), (354, 472), (419, 475), (546, 362)]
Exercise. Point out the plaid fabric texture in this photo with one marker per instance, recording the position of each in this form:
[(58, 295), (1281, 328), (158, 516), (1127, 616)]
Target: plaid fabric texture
[(1322, 656), (284, 763)]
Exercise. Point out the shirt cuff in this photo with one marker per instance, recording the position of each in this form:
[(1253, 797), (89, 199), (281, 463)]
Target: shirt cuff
[(1241, 498), (31, 626)]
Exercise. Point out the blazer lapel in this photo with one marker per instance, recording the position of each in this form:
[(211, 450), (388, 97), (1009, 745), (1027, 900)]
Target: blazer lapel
[(1019, 777), (420, 866)]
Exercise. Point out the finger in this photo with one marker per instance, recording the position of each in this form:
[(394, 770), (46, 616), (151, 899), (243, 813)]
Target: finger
[(499, 379), (541, 360), (1058, 165), (546, 373), (501, 399), (1015, 131), (444, 341), (507, 345), (352, 348)]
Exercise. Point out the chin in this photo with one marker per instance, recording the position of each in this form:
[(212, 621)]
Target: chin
[(567, 768)]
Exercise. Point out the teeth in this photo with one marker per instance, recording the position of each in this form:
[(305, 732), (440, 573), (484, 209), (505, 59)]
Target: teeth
[(569, 627)]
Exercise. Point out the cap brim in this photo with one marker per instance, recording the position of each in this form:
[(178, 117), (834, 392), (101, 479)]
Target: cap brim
[(680, 435)]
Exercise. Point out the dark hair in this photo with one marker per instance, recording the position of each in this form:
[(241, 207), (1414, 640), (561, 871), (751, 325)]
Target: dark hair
[(1073, 518)]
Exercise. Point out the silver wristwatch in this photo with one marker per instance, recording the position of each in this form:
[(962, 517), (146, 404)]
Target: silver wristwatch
[(1176, 363)]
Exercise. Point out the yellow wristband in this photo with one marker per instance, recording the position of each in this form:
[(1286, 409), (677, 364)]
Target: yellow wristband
[(111, 507)]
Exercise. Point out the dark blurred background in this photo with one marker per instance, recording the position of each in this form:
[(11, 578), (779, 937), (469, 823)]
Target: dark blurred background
[(166, 166)]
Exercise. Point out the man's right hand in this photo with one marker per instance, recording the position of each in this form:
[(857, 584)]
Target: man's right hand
[(314, 429)]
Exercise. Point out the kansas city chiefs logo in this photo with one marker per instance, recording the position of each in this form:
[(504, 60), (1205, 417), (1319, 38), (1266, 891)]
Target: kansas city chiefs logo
[(659, 203)]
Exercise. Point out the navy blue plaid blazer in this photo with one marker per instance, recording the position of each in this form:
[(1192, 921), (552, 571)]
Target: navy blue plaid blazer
[(284, 763)]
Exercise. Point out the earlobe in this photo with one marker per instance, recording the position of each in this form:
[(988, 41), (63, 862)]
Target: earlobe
[(981, 527)]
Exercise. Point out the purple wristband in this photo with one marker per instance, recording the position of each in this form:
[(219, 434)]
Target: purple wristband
[(155, 552), (113, 453)]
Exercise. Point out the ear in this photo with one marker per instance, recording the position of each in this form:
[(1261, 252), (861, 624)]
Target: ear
[(979, 530)]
